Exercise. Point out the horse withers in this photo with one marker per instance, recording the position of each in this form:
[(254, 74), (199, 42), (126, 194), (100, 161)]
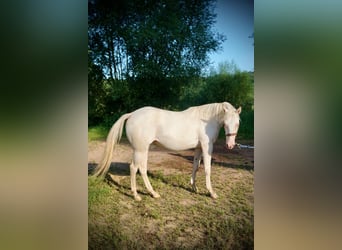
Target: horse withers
[(196, 127)]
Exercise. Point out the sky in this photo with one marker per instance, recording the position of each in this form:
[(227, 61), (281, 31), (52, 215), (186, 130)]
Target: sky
[(235, 20)]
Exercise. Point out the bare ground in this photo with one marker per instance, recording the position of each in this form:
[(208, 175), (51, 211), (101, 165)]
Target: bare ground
[(171, 161), (180, 218)]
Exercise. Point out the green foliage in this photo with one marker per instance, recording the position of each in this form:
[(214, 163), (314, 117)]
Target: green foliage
[(154, 53), (224, 68), (246, 129), (192, 94), (148, 39), (96, 93), (123, 96), (145, 52), (235, 88)]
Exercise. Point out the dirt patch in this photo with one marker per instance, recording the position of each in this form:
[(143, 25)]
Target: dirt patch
[(169, 161)]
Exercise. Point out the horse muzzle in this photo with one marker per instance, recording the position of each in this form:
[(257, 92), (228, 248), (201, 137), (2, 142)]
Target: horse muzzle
[(230, 140), (230, 146)]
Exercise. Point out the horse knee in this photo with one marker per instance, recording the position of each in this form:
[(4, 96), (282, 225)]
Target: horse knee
[(133, 168), (142, 170)]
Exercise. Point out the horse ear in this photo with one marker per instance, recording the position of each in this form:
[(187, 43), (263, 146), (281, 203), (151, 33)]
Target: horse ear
[(238, 110)]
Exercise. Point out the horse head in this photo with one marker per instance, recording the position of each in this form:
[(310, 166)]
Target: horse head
[(231, 123)]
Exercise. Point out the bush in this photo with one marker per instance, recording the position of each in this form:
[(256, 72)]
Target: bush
[(246, 130), (235, 88)]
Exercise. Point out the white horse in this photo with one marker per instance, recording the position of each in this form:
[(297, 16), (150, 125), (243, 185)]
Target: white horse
[(196, 127)]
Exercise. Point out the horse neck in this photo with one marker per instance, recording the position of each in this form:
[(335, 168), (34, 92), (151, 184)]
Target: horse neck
[(209, 112)]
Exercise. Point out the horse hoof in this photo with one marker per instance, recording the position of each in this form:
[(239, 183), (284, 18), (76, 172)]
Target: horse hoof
[(213, 195), (156, 195), (137, 197), (194, 188)]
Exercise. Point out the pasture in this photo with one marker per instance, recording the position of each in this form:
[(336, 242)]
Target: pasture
[(181, 218)]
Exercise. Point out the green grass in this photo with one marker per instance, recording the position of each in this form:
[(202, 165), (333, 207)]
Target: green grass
[(180, 219), (99, 191), (97, 133)]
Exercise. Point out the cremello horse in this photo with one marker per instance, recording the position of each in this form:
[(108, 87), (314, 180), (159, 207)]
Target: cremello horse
[(195, 127)]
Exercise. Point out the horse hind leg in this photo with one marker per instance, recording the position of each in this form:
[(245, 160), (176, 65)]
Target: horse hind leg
[(133, 171), (143, 172), (141, 157), (197, 162)]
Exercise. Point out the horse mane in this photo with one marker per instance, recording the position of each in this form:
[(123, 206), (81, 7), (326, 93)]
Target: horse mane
[(210, 111)]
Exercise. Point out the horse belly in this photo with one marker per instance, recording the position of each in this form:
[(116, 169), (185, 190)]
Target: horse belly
[(177, 143)]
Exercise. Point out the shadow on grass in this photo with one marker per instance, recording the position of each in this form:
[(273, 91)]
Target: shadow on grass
[(121, 169), (175, 182), (233, 166), (189, 158), (216, 162), (117, 169)]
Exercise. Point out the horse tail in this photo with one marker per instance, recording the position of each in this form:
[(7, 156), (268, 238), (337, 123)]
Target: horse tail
[(113, 138)]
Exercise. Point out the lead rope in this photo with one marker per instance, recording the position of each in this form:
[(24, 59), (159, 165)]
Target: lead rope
[(243, 146)]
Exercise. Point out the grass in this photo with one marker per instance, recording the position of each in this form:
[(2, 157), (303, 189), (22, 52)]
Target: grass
[(97, 133), (180, 219)]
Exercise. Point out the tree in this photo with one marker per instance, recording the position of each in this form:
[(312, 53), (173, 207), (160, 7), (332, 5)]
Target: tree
[(224, 68), (96, 93), (154, 45), (236, 88), (140, 39)]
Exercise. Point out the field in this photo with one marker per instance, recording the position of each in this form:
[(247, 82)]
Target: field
[(180, 219)]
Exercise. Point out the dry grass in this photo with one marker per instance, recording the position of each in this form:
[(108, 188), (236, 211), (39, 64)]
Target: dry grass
[(180, 219)]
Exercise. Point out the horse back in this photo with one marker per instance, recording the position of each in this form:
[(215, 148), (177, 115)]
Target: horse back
[(174, 130)]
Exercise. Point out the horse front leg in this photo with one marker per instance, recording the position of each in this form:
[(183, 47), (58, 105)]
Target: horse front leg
[(207, 151), (196, 164)]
